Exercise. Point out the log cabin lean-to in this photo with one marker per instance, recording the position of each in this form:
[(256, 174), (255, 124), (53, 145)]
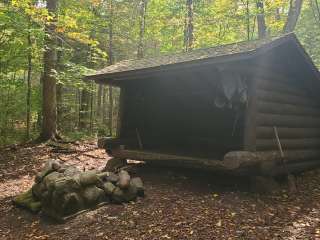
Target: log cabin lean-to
[(243, 108)]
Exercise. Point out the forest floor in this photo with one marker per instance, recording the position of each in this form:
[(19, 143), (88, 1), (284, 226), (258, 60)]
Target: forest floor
[(179, 204)]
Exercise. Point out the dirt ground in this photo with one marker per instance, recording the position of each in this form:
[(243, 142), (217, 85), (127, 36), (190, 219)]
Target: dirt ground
[(179, 204)]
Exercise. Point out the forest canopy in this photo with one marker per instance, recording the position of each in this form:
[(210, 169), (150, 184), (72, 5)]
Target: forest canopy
[(46, 47)]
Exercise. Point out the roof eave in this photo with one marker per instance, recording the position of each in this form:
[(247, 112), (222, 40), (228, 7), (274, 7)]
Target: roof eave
[(108, 78)]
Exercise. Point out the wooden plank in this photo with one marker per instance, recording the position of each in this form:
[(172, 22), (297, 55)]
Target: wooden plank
[(281, 87), (285, 98), (249, 141), (287, 109), (277, 120), (288, 133), (303, 143)]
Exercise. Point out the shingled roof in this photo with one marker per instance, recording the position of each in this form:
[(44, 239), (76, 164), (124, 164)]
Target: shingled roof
[(246, 48)]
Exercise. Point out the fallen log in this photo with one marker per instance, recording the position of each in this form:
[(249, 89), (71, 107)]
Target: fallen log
[(235, 162)]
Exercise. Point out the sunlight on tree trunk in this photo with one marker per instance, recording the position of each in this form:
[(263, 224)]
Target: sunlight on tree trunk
[(142, 23), (189, 26), (262, 28), (49, 123), (293, 15)]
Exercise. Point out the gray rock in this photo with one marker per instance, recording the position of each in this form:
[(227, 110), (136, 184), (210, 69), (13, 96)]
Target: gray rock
[(138, 184), (72, 203), (88, 178), (117, 195), (124, 179), (93, 195), (49, 167), (50, 180), (108, 188), (66, 185), (114, 178)]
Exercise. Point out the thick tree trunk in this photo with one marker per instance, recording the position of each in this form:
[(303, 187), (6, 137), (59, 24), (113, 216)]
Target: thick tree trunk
[(49, 123), (262, 28), (143, 10), (189, 26), (293, 15)]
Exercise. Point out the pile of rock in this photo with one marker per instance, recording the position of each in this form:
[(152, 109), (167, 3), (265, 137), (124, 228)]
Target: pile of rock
[(60, 190)]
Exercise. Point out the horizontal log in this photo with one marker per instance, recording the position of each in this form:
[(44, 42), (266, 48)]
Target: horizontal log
[(287, 133), (235, 159), (295, 167), (290, 121), (281, 87), (285, 98), (303, 143), (169, 159), (287, 109), (237, 163)]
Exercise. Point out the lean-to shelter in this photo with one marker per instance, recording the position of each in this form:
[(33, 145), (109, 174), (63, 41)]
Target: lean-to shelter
[(244, 107)]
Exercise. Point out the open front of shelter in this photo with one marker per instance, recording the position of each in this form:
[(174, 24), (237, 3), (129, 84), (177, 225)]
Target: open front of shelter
[(249, 107)]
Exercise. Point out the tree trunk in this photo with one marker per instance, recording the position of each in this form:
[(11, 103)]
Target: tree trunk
[(49, 123), (248, 19), (29, 85), (99, 101), (293, 15), (110, 110), (84, 108), (143, 10), (111, 60), (262, 28), (59, 85), (189, 26)]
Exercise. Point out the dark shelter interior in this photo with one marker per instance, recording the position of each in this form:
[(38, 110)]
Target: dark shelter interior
[(198, 113)]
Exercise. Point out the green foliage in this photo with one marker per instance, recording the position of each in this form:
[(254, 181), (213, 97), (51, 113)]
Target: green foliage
[(83, 29)]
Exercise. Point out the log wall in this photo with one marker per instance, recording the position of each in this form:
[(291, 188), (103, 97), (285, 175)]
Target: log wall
[(284, 104)]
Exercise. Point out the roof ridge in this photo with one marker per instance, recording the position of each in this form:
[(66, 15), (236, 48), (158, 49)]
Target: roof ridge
[(265, 40)]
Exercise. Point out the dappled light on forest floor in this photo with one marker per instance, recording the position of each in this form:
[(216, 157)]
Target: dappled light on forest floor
[(179, 204)]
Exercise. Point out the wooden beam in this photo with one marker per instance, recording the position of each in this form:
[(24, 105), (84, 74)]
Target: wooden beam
[(288, 144), (286, 109), (289, 121), (271, 84), (271, 96), (288, 133)]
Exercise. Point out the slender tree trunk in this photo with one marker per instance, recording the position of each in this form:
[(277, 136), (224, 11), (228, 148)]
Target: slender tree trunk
[(248, 19), (104, 104), (29, 86), (293, 15), (262, 28), (84, 109), (91, 108), (143, 11), (189, 26), (59, 86), (111, 60), (49, 123), (99, 101)]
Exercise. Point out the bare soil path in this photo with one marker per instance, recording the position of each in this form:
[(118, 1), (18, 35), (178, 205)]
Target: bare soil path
[(179, 204)]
